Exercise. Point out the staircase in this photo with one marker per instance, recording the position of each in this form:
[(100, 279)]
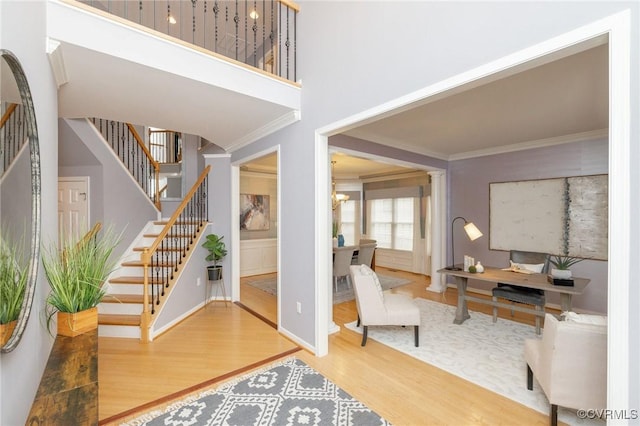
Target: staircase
[(119, 314)]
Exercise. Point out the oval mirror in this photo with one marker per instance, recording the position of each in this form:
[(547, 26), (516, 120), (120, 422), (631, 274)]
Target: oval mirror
[(19, 201)]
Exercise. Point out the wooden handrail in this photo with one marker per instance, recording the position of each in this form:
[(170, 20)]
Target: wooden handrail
[(290, 5), (154, 163), (148, 252), (7, 114), (87, 237), (178, 211)]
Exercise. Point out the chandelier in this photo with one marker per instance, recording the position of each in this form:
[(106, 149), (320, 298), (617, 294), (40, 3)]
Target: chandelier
[(336, 198)]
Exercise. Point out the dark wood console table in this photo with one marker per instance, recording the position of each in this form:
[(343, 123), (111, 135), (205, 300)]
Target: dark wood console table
[(68, 391)]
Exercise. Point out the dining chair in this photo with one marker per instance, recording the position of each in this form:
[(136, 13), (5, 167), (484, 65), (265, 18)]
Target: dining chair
[(365, 253), (341, 262)]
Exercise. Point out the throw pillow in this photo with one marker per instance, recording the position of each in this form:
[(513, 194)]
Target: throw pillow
[(537, 268), (366, 270), (584, 318)]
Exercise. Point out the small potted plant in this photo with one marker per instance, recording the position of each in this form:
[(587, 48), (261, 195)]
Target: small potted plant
[(76, 275), (217, 251), (562, 265), (13, 281)]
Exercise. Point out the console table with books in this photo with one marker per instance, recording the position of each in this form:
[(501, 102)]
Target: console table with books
[(497, 275)]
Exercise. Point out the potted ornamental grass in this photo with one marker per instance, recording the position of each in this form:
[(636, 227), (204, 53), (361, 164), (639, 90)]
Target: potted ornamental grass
[(76, 274), (13, 282), (217, 251)]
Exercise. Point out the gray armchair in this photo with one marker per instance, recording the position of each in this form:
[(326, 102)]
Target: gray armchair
[(516, 294)]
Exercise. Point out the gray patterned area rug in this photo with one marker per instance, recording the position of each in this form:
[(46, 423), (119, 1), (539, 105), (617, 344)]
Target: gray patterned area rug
[(286, 393), (344, 293)]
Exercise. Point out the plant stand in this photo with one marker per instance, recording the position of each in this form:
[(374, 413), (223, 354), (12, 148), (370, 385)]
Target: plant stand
[(214, 278)]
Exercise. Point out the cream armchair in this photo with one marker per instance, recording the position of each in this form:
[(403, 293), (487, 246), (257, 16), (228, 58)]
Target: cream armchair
[(378, 308), (570, 362)]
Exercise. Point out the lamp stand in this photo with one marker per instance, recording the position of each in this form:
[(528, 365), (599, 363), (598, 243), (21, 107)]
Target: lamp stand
[(453, 256)]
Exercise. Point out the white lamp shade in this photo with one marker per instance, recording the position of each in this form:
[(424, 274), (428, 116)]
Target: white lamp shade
[(472, 231)]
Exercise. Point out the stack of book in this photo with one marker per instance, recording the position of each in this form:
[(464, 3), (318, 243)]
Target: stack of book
[(568, 282)]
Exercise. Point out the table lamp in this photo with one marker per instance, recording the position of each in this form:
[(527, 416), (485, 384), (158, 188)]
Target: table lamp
[(472, 232)]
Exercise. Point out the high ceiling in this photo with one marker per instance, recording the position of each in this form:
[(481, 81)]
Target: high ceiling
[(546, 104)]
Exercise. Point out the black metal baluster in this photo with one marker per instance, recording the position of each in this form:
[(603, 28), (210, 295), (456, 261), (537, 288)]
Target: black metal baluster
[(204, 26), (236, 19), (193, 21), (254, 28), (216, 10)]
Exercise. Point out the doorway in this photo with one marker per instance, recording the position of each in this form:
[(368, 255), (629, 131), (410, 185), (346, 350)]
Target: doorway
[(73, 207), (258, 215)]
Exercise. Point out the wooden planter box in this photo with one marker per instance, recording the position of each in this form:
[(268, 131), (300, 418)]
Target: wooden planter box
[(6, 330), (74, 324)]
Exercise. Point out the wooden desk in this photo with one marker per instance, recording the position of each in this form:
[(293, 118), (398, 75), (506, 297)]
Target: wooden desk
[(496, 275)]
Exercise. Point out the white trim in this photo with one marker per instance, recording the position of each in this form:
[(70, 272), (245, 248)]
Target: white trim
[(323, 274), (540, 143), (269, 128), (618, 381)]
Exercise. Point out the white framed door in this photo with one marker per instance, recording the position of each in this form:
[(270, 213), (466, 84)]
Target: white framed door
[(73, 207)]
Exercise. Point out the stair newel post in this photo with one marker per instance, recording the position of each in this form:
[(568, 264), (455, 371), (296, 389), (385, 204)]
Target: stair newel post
[(145, 318)]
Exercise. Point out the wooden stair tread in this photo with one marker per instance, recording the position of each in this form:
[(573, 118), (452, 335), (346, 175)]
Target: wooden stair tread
[(158, 249), (123, 298), (140, 264), (115, 319), (169, 235), (133, 280)]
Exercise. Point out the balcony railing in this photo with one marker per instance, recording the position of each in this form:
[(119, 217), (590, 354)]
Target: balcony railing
[(261, 34)]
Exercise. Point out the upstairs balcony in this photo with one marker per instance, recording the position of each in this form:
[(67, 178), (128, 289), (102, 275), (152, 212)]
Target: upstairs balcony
[(261, 33), (217, 72)]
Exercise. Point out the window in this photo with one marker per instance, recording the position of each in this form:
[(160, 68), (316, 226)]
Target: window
[(391, 222), (348, 222)]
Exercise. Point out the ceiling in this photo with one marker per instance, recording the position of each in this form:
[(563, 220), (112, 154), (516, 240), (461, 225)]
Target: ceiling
[(551, 103)]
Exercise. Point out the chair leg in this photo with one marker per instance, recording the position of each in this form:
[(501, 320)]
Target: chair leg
[(495, 309), (538, 308), (335, 284), (358, 323), (417, 335), (529, 378), (364, 335), (553, 415)]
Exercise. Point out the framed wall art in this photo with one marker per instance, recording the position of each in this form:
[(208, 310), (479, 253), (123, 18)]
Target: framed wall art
[(254, 212)]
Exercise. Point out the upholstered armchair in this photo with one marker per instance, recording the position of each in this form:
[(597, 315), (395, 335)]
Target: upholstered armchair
[(376, 307), (570, 362)]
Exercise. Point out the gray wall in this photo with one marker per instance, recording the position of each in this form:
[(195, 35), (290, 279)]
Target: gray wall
[(22, 31), (124, 205), (469, 180), (349, 65)]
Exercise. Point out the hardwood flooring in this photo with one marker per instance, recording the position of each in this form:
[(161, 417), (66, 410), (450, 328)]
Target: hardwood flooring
[(218, 341)]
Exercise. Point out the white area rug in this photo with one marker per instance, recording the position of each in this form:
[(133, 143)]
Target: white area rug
[(487, 354), (343, 294)]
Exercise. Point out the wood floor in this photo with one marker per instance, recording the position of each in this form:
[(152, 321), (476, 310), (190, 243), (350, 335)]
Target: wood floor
[(220, 340)]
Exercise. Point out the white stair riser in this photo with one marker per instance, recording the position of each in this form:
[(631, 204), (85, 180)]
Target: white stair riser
[(120, 308), (124, 289), (125, 331)]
